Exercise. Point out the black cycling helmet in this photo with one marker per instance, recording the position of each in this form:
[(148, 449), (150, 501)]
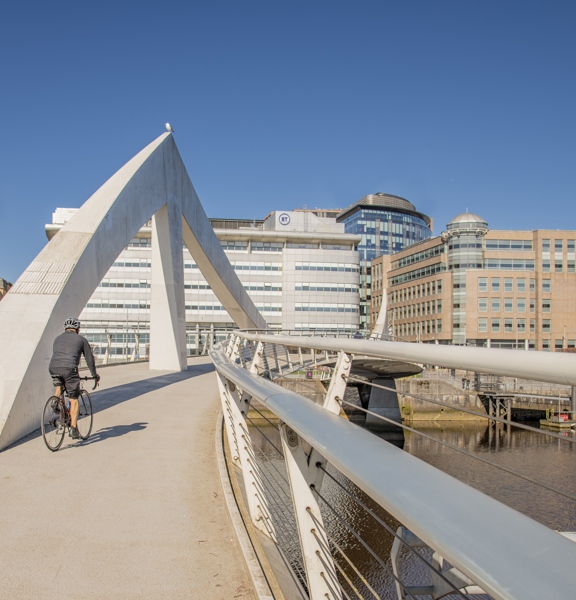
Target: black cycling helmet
[(72, 323)]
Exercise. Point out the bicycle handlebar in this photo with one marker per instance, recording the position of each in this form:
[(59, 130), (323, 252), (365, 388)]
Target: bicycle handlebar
[(87, 378)]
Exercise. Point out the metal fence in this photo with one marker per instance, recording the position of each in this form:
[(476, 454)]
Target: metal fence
[(326, 490)]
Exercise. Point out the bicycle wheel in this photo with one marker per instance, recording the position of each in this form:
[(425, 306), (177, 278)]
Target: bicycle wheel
[(53, 426), (84, 414)]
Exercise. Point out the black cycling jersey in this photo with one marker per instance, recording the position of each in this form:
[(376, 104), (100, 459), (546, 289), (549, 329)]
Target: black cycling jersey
[(68, 348)]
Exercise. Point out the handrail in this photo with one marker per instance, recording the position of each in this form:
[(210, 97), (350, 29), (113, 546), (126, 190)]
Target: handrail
[(552, 367), (508, 554)]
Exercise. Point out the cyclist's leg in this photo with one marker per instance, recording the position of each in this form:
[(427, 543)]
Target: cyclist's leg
[(73, 390)]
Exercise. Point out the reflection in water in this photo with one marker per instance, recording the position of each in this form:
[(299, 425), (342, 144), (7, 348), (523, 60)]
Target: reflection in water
[(540, 457)]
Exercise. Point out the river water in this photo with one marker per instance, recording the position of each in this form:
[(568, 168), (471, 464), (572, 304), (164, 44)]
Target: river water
[(540, 457)]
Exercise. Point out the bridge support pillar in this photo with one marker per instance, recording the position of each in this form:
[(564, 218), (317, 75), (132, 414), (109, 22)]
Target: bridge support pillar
[(385, 403), (167, 316)]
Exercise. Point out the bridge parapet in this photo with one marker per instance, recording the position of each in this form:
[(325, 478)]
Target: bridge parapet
[(491, 548)]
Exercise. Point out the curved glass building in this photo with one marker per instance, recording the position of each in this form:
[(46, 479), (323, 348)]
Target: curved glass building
[(387, 224)]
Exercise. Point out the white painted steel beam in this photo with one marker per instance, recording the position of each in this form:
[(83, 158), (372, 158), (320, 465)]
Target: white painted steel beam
[(552, 367), (508, 554)]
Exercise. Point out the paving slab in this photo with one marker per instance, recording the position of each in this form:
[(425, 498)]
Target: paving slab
[(135, 511)]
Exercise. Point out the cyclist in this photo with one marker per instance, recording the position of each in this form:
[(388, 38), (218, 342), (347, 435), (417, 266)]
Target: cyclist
[(67, 350)]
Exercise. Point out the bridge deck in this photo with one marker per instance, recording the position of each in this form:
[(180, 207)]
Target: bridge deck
[(136, 511)]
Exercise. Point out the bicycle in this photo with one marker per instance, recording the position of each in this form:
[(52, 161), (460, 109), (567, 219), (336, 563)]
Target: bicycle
[(56, 417)]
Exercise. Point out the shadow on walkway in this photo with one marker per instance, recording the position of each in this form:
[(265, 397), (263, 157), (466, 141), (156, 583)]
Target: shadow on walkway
[(106, 433), (101, 400)]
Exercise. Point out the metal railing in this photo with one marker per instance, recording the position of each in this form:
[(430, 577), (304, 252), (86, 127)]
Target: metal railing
[(465, 542)]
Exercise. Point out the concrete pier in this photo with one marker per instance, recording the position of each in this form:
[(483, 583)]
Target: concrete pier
[(136, 511)]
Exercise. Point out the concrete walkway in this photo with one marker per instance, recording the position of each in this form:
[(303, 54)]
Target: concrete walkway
[(136, 511)]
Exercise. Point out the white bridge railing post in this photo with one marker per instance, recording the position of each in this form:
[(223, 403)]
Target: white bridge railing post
[(235, 404), (305, 475)]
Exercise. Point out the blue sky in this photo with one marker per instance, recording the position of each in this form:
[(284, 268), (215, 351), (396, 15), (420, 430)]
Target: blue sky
[(450, 104)]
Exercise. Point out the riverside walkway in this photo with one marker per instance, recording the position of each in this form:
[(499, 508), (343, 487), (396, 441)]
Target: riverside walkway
[(136, 511)]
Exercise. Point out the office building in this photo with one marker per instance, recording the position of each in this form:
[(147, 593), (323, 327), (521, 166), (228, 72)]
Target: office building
[(387, 224), (301, 271), (480, 287)]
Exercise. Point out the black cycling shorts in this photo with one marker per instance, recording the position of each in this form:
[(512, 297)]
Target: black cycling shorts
[(68, 378)]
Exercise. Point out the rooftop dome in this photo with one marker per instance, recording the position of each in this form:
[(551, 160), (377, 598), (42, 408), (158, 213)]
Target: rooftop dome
[(468, 218), (388, 200)]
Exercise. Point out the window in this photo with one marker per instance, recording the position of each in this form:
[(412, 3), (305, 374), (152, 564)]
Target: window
[(545, 245), (521, 285), (532, 305), (439, 326), (521, 304), (571, 246), (495, 284), (546, 325), (439, 286), (546, 345), (508, 284), (508, 325), (482, 325), (439, 306), (571, 343), (571, 266), (495, 305), (521, 325), (532, 325), (558, 265), (558, 246), (545, 266), (482, 304), (482, 284), (495, 325), (545, 286), (433, 287), (508, 304), (532, 286), (546, 306), (558, 344)]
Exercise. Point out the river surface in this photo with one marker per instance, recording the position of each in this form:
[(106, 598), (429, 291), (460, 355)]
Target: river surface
[(540, 457)]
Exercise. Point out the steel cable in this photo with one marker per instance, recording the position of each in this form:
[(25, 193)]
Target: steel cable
[(359, 538), (465, 452), (354, 567), (389, 529), (465, 410)]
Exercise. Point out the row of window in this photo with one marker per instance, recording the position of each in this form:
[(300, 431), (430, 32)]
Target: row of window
[(419, 256), (342, 287), (508, 305), (416, 291), (104, 304), (559, 246), (421, 327), (508, 284), (124, 284), (340, 267), (418, 273), (508, 264), (419, 309), (219, 307), (513, 245), (116, 338), (559, 266), (326, 327), (340, 308), (507, 325)]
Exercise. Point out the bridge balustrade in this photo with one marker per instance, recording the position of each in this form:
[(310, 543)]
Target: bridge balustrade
[(464, 542)]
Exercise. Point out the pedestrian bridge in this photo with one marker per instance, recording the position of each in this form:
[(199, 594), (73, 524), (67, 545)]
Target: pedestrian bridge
[(160, 503), (163, 501)]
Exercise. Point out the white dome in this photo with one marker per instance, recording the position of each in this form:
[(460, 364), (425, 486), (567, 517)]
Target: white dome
[(467, 218)]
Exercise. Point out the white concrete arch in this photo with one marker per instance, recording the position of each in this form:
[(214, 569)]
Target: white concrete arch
[(61, 279)]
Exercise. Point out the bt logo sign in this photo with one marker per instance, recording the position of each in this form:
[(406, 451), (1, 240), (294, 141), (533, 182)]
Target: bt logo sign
[(284, 219)]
